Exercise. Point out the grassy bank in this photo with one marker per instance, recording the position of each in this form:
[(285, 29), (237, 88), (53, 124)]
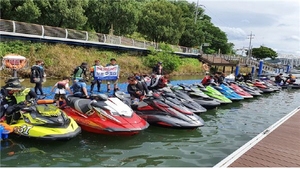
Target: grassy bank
[(60, 60)]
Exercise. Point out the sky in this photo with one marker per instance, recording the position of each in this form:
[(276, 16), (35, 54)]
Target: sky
[(273, 23)]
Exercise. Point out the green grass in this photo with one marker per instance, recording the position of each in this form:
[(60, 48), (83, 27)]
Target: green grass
[(60, 60)]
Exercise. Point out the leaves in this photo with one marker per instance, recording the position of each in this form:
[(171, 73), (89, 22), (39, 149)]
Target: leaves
[(264, 52)]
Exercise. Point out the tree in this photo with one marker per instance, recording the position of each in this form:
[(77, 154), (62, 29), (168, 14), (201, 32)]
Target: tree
[(107, 15), (22, 10), (161, 22), (264, 52), (216, 38), (62, 13), (192, 35)]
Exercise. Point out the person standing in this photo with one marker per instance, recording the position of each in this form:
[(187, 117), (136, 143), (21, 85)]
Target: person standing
[(205, 67), (158, 69), (113, 62), (95, 79), (37, 76), (80, 72)]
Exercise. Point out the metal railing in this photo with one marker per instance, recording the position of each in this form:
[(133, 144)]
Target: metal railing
[(62, 33)]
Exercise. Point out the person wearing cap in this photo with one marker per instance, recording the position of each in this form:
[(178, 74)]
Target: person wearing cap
[(279, 79), (158, 68), (80, 72), (15, 97), (95, 80), (113, 62)]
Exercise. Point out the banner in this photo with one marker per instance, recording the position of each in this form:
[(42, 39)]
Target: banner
[(106, 73)]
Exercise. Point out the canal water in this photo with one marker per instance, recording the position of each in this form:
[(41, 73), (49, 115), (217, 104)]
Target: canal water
[(226, 129)]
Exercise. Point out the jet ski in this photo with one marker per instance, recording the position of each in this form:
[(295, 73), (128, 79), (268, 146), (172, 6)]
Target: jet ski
[(290, 86), (240, 91), (261, 86), (249, 89), (45, 121), (198, 96), (179, 97), (104, 115), (268, 84), (227, 92), (214, 93), (157, 110)]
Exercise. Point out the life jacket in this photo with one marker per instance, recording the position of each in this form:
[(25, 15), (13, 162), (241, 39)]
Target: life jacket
[(78, 72), (162, 82), (205, 80), (61, 85), (21, 96), (35, 73)]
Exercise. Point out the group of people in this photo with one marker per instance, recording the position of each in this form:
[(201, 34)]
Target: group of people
[(137, 84), (219, 77), (290, 79), (216, 78)]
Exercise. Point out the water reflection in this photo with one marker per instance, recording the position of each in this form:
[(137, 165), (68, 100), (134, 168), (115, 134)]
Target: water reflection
[(225, 130)]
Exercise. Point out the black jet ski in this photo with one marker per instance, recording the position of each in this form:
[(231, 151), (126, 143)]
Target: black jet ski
[(198, 96), (178, 97), (157, 110)]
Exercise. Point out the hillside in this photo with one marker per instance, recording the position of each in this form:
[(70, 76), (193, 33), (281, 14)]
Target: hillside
[(60, 60)]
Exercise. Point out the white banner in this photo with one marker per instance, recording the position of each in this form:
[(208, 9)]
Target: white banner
[(106, 73)]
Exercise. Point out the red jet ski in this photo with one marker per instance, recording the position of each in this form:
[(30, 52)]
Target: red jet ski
[(240, 91), (263, 87), (104, 115)]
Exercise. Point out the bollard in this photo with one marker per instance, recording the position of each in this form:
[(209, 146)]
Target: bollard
[(237, 69), (260, 68), (1, 131), (253, 70), (5, 134), (288, 67)]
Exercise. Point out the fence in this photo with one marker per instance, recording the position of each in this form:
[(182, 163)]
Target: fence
[(43, 31)]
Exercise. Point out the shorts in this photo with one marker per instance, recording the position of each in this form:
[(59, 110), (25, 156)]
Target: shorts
[(112, 81), (60, 97)]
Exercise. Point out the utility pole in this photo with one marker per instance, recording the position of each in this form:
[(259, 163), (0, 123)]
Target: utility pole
[(196, 11), (251, 36)]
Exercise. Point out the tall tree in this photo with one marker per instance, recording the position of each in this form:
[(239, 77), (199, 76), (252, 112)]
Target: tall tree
[(264, 52), (216, 38), (21, 10), (62, 13), (161, 22), (107, 15)]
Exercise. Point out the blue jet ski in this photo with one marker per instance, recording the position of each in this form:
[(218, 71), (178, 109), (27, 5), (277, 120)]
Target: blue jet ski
[(227, 92)]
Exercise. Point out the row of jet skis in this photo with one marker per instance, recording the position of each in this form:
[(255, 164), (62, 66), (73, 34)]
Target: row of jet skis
[(174, 107)]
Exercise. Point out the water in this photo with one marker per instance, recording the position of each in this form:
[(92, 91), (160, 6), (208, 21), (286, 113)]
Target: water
[(226, 129)]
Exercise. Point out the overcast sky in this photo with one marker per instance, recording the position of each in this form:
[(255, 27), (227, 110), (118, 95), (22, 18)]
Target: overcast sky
[(274, 23)]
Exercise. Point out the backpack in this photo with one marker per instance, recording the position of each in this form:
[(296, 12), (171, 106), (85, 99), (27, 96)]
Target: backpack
[(35, 73)]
